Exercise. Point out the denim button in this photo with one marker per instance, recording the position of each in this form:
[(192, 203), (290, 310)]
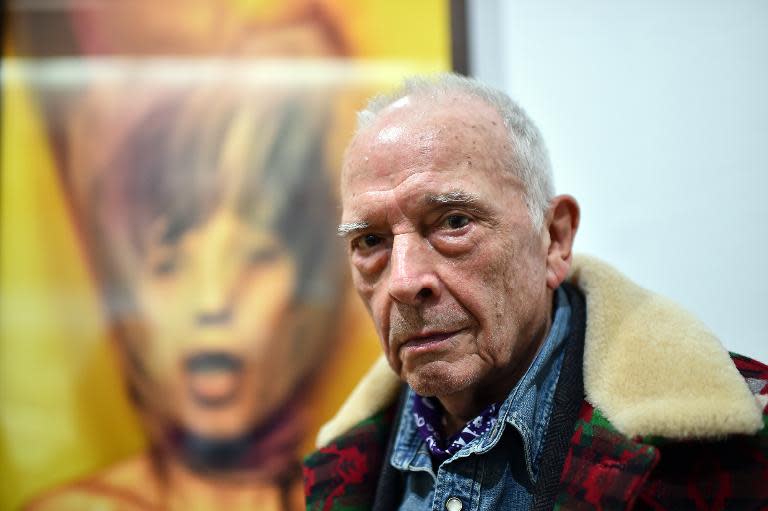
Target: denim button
[(453, 504)]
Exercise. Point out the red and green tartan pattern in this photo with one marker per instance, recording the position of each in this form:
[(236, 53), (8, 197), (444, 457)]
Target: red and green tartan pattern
[(343, 475), (756, 373), (603, 469)]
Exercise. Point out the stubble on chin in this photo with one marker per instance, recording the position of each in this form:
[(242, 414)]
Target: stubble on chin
[(436, 378)]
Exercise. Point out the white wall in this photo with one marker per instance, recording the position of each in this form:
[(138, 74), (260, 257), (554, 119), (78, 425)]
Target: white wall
[(656, 117)]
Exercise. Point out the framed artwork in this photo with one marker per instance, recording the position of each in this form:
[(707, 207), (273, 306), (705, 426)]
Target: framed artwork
[(176, 316)]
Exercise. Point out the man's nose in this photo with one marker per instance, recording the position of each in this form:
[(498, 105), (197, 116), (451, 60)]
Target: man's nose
[(412, 277)]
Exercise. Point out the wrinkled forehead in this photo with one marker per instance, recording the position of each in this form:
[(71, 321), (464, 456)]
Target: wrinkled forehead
[(426, 131)]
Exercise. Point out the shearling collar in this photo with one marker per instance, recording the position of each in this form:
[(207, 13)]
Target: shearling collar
[(651, 367)]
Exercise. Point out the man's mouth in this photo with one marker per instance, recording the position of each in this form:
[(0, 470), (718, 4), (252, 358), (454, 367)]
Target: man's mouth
[(213, 378), (427, 341)]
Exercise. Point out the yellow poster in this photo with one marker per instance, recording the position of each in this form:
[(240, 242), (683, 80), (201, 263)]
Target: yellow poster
[(175, 310)]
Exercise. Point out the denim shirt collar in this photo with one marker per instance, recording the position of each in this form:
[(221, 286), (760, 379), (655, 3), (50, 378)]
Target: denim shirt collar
[(526, 408)]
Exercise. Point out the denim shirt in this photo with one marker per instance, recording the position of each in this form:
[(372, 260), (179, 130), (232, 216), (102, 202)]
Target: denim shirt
[(498, 469)]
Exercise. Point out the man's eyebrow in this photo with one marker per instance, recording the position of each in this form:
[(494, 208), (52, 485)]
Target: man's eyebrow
[(347, 229), (457, 198)]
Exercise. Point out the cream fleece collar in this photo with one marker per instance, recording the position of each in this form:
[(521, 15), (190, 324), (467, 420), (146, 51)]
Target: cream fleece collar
[(651, 367)]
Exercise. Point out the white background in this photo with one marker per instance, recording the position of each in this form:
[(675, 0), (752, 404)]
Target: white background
[(656, 118)]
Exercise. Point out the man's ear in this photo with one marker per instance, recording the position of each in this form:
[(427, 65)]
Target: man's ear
[(562, 223)]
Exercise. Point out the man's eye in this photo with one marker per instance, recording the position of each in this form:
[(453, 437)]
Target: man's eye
[(456, 221), (366, 242)]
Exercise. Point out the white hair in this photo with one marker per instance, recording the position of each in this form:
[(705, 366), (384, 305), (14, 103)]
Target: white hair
[(529, 157)]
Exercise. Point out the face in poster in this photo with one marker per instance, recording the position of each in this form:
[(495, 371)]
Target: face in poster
[(208, 228), (203, 191)]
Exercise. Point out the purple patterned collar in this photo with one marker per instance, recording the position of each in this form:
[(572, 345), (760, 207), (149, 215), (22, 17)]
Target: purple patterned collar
[(428, 416)]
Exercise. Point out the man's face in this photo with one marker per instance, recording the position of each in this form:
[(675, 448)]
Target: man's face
[(442, 248), (219, 346)]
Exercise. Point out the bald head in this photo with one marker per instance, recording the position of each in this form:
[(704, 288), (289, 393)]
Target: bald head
[(433, 130), (520, 147)]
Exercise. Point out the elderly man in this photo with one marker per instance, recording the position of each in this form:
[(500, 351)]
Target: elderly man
[(534, 379)]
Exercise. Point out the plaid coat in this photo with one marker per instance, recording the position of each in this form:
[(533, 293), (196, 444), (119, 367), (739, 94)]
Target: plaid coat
[(711, 455)]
